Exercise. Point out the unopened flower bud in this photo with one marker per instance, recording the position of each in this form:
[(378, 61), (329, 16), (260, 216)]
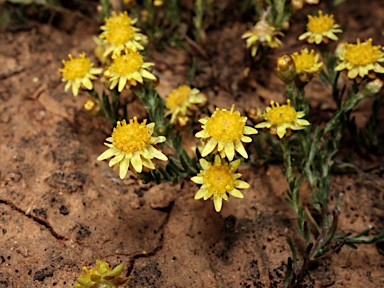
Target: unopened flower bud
[(285, 25), (285, 68), (297, 4), (203, 96), (158, 3), (373, 87), (144, 16), (183, 121), (92, 107), (254, 113)]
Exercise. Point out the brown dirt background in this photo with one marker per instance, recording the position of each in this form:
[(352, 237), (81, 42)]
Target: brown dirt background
[(60, 209)]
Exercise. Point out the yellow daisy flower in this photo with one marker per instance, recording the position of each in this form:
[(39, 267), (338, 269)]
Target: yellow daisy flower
[(128, 69), (320, 29), (282, 119), (306, 64), (217, 180), (180, 99), (360, 59), (131, 147), (225, 131), (119, 34), (101, 275), (78, 73), (262, 34)]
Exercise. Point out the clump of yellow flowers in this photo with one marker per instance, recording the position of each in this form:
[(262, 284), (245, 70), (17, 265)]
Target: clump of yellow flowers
[(101, 276), (360, 59), (131, 146), (222, 133), (321, 28)]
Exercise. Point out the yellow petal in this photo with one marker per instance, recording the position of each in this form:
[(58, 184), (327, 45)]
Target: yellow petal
[(116, 159), (236, 193), (136, 162), (209, 147), (124, 165), (218, 202), (107, 154), (240, 148), (198, 179), (241, 184), (230, 150), (200, 194)]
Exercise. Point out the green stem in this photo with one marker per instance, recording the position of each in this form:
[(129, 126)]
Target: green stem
[(289, 175)]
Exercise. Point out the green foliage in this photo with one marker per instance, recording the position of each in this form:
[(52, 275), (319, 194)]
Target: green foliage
[(315, 163), (101, 277)]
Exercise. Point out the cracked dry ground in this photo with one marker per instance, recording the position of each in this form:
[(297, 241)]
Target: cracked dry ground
[(61, 210)]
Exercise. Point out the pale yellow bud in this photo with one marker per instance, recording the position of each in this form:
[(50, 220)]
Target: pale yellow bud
[(92, 107), (285, 68), (373, 87)]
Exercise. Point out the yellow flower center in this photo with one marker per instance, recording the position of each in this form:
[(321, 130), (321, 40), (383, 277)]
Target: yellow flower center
[(76, 67), (126, 64), (304, 61), (279, 115), (131, 137), (118, 35), (362, 54), (226, 126), (320, 24), (178, 97), (219, 179)]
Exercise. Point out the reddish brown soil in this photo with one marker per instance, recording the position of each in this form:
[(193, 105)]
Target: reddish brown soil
[(61, 209)]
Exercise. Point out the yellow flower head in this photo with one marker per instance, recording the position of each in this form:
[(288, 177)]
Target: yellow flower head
[(217, 180), (282, 119), (360, 59), (180, 99), (131, 146), (320, 29), (102, 275), (78, 73), (225, 131), (307, 64), (262, 34), (128, 69), (118, 34)]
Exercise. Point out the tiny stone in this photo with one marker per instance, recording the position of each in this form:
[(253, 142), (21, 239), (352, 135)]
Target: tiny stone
[(64, 210)]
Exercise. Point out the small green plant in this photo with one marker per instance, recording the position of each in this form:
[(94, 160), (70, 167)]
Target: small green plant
[(101, 277)]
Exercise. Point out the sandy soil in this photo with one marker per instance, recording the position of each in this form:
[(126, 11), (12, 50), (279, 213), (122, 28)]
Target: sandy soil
[(61, 209)]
